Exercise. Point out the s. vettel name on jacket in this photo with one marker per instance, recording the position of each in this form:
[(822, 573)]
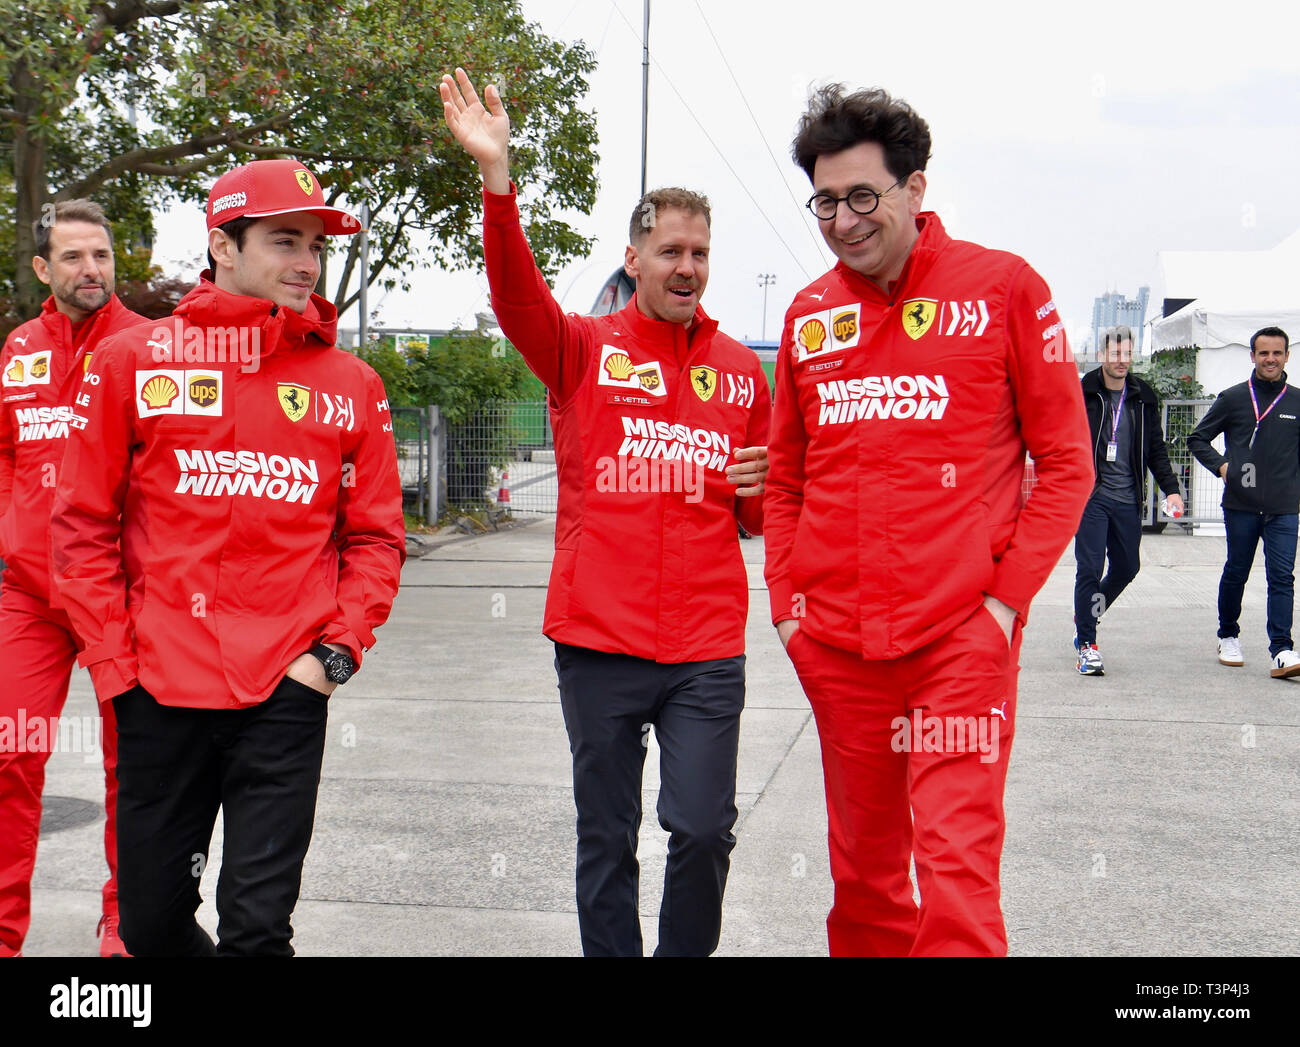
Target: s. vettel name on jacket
[(651, 438), (900, 396), (211, 474)]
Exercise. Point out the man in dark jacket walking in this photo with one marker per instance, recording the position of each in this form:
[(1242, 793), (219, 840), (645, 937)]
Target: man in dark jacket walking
[(1260, 421), (1127, 440)]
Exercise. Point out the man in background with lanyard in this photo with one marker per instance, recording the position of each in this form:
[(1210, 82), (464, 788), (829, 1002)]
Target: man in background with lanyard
[(1127, 439), (1260, 420)]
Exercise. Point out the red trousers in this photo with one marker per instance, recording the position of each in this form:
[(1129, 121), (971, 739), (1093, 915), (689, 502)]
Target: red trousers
[(39, 650), (914, 753)]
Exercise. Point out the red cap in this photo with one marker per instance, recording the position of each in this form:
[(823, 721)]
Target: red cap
[(268, 187)]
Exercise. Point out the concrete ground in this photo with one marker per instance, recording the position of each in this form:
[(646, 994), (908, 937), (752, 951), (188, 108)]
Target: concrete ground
[(1152, 811)]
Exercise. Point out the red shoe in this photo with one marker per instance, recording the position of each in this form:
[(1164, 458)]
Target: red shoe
[(110, 943)]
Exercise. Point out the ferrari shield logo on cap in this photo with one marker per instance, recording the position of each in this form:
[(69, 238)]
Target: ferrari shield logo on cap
[(294, 399), (918, 315), (704, 380), (304, 181)]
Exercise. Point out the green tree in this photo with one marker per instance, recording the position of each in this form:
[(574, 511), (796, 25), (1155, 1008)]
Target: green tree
[(137, 103), (1172, 374)]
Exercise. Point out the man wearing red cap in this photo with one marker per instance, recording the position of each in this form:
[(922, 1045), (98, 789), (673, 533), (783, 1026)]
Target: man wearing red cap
[(40, 370), (241, 578)]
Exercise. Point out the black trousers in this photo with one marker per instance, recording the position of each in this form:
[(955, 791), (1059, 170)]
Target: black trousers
[(261, 765), (609, 703), (1106, 532)]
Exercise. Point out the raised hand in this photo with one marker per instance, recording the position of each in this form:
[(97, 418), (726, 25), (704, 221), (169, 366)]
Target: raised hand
[(484, 133)]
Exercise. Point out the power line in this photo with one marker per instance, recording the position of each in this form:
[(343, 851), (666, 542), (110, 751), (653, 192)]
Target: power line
[(818, 245), (698, 123)]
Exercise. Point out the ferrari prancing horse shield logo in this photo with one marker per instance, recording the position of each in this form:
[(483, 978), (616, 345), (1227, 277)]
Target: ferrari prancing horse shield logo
[(704, 380), (294, 399), (304, 181), (918, 315)]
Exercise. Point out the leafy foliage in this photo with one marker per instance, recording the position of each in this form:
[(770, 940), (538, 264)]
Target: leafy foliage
[(463, 373), (1172, 374), (350, 88)]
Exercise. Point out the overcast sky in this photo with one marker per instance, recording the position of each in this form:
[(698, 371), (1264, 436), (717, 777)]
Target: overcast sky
[(1084, 138)]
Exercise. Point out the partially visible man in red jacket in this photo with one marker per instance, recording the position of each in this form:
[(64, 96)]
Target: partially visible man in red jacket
[(910, 381), (241, 582), (659, 422), (41, 368)]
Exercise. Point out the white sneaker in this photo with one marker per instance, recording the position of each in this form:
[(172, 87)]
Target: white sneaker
[(1230, 651), (1285, 663)]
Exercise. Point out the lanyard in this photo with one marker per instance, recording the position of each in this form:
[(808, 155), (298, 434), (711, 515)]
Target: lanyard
[(1118, 412), (1254, 402)]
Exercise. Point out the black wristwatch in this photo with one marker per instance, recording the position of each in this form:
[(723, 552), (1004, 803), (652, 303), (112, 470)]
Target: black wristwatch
[(338, 667)]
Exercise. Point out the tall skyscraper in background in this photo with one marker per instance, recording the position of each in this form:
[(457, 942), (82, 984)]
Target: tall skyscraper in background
[(1112, 309)]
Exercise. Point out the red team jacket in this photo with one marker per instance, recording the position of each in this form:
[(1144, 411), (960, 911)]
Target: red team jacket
[(898, 446), (638, 407), (41, 368), (270, 508)]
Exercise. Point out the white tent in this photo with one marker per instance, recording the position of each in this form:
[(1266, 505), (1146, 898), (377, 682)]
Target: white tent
[(1236, 293), (1209, 325)]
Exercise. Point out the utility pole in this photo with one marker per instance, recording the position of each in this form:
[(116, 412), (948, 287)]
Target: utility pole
[(765, 280), (645, 88), (362, 319)]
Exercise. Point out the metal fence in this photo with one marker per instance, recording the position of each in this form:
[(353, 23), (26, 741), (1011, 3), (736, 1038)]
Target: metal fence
[(504, 456), (414, 429), (1201, 490)]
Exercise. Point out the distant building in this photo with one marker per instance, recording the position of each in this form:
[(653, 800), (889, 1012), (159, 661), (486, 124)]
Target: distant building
[(1113, 309)]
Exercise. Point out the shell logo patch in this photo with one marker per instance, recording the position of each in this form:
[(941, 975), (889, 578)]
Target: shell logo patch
[(704, 380), (812, 336), (828, 331), (158, 392), (28, 369), (295, 400), (616, 368), (178, 392), (918, 315)]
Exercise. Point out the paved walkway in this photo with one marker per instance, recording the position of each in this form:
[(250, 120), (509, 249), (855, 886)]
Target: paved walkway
[(1151, 811)]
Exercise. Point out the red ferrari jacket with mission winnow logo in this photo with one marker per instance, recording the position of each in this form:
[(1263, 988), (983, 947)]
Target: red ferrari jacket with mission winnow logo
[(41, 368), (898, 447), (267, 509), (646, 417)]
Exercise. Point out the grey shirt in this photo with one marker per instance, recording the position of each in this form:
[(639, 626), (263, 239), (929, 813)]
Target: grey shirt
[(1117, 485)]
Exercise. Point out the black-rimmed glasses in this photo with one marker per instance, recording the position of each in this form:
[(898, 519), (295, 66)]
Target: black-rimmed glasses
[(860, 200)]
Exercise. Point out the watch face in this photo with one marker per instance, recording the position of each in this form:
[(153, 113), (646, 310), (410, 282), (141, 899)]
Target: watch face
[(339, 668)]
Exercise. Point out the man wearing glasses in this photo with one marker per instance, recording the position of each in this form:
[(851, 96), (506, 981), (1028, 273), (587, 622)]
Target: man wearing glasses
[(912, 379), (1127, 439)]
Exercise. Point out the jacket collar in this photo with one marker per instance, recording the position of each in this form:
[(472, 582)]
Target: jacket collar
[(60, 326), (315, 327), (641, 326), (931, 240), (1272, 388), (1093, 383)]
